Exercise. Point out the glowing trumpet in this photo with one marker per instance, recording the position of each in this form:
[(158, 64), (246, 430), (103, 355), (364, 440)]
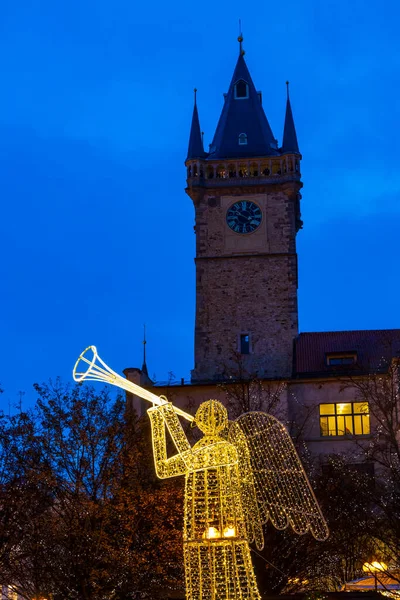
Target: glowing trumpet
[(99, 371)]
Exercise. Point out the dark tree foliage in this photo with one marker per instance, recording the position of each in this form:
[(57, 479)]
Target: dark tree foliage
[(292, 563), (81, 512)]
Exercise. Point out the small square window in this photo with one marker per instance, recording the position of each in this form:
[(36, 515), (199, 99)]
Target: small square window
[(245, 343), (326, 409), (343, 408)]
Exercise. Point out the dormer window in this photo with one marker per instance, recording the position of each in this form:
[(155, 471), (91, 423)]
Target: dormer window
[(242, 139), (335, 359), (241, 90)]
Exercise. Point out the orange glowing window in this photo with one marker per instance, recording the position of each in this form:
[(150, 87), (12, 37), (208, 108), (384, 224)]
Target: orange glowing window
[(344, 418)]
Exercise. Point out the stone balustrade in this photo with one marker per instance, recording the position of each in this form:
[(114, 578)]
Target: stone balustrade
[(232, 172)]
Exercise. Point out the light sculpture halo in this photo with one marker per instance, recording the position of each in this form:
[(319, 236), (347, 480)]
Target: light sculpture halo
[(82, 358)]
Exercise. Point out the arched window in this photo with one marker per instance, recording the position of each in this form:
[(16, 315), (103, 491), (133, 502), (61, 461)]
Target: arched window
[(221, 173), (253, 170), (265, 169), (242, 139), (243, 172), (241, 89), (232, 170)]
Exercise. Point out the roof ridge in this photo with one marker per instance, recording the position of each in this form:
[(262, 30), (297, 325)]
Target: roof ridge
[(347, 331)]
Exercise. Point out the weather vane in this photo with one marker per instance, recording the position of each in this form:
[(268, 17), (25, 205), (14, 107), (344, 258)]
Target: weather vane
[(237, 477)]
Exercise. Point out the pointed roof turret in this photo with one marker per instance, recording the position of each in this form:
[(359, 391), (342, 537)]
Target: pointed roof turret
[(289, 143), (243, 129), (196, 149)]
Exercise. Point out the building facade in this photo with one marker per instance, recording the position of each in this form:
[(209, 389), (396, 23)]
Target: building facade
[(248, 351)]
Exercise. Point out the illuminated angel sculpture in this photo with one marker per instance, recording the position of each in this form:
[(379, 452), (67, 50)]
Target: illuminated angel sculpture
[(237, 477)]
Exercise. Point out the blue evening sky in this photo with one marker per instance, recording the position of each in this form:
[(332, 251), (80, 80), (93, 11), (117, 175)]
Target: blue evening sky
[(96, 230)]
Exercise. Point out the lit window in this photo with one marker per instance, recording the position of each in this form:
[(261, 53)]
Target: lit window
[(241, 90), (242, 139), (341, 358), (245, 343), (345, 418)]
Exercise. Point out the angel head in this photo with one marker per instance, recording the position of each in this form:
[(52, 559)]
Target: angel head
[(211, 417)]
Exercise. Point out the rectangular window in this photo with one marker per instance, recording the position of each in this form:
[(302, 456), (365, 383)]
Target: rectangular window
[(344, 418), (341, 358), (245, 343)]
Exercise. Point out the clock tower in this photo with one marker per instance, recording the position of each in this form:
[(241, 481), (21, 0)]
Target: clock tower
[(246, 195)]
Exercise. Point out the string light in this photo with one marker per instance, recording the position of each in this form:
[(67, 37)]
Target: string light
[(236, 477), (239, 475)]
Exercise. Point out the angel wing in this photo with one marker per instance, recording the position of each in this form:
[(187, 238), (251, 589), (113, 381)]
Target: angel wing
[(282, 489)]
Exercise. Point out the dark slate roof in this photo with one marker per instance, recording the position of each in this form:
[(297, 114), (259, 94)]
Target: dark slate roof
[(289, 143), (242, 116), (195, 149), (374, 348)]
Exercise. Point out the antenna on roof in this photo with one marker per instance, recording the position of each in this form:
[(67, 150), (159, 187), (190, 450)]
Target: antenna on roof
[(195, 95), (287, 89), (144, 366)]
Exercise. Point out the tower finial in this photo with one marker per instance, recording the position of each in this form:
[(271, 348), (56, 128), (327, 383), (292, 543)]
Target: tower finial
[(240, 38), (287, 89), (195, 96)]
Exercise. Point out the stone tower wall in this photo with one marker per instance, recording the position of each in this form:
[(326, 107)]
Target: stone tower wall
[(245, 283)]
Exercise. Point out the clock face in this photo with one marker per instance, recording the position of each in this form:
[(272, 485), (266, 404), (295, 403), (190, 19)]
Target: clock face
[(244, 216)]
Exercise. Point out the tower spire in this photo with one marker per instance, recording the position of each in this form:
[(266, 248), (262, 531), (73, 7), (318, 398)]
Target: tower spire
[(195, 149), (242, 115), (289, 143)]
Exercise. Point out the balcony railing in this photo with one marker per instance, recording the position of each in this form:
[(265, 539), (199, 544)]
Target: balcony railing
[(202, 181)]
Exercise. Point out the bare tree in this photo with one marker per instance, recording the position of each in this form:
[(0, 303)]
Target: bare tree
[(380, 391), (246, 392)]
